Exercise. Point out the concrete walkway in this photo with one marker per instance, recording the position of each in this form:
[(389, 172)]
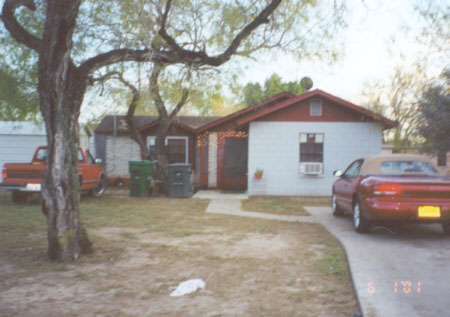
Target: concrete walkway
[(230, 204), (401, 274)]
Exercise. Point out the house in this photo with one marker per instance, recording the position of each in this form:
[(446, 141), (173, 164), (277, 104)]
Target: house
[(298, 141), (19, 140), (115, 148)]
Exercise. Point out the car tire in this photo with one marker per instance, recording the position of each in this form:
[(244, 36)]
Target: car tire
[(446, 226), (360, 223), (337, 211), (18, 197), (100, 189)]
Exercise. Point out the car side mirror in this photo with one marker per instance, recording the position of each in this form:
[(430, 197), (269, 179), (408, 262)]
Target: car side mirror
[(338, 173), (98, 161)]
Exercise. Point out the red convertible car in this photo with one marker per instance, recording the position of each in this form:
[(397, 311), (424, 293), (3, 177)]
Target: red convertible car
[(396, 187)]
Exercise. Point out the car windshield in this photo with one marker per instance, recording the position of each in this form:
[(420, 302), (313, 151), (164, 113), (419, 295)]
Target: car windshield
[(404, 167)]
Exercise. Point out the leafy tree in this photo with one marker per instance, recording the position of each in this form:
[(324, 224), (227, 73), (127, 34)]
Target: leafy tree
[(17, 101), (63, 35), (254, 93), (434, 118)]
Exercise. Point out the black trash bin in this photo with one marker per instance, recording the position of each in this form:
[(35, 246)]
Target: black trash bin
[(140, 177), (179, 179)]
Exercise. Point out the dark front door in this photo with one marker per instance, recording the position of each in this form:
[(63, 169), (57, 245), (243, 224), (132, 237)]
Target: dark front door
[(234, 175)]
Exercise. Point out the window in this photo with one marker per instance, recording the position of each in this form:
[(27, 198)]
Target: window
[(353, 169), (311, 147), (177, 149), (315, 107), (311, 153), (401, 167)]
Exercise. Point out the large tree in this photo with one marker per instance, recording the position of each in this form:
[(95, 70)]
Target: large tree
[(434, 118), (72, 30), (63, 82)]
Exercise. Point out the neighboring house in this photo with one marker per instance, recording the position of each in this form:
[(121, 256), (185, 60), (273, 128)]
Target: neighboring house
[(19, 140), (298, 141), (115, 147)]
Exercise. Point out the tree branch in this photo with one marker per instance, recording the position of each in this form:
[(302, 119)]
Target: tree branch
[(154, 90), (13, 26), (175, 54), (200, 57)]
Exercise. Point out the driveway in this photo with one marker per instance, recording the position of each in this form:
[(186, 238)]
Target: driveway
[(406, 273)]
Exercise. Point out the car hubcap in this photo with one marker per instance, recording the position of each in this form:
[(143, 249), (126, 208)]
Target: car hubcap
[(356, 214), (333, 202)]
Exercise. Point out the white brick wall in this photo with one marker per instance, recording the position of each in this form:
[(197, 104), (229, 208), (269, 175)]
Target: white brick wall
[(212, 160), (120, 150), (274, 147)]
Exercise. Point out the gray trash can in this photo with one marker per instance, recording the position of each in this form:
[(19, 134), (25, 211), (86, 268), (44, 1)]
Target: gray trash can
[(179, 179)]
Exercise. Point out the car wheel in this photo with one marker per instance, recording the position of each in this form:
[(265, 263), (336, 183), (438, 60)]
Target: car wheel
[(335, 208), (360, 224), (18, 197), (446, 226), (100, 189)]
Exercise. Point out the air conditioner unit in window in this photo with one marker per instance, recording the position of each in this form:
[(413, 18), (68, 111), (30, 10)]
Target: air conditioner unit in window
[(311, 168)]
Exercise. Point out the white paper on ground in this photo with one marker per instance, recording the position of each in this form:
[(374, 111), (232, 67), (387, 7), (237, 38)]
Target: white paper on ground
[(188, 287)]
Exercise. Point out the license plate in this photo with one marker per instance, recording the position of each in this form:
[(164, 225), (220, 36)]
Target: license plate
[(429, 211), (34, 187)]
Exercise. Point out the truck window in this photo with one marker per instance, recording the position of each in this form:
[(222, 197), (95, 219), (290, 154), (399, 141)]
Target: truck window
[(41, 155), (80, 156)]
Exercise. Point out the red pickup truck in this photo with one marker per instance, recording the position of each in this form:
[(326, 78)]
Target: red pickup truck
[(25, 179)]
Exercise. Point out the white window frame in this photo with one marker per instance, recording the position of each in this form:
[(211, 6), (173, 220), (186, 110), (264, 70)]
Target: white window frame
[(315, 102), (319, 138), (186, 138)]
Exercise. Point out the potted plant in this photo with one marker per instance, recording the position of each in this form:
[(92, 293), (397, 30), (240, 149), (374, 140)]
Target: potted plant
[(258, 173)]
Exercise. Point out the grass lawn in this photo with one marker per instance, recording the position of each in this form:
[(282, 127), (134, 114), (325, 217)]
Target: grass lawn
[(286, 205), (144, 247)]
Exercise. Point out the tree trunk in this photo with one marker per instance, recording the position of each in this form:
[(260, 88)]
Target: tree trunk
[(61, 91), (161, 166)]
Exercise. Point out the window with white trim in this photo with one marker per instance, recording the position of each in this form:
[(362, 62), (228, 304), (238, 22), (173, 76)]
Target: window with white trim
[(315, 107), (177, 148), (311, 153)]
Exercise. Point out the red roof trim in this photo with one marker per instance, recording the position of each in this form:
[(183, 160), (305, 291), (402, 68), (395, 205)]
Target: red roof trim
[(244, 111), (174, 122), (317, 92)]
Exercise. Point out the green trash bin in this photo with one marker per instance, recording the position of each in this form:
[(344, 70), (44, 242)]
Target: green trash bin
[(179, 179), (140, 177)]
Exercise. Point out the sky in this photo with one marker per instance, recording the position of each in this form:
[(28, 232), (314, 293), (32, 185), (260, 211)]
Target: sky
[(366, 53)]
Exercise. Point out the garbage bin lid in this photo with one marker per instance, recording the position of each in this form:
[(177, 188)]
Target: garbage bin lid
[(141, 162), (179, 164)]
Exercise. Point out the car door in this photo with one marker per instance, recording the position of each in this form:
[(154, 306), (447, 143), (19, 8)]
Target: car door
[(346, 185)]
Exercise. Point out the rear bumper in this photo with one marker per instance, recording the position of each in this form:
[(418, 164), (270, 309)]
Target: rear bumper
[(382, 209), (21, 187)]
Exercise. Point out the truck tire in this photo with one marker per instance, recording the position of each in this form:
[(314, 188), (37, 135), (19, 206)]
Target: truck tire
[(18, 196), (101, 187)]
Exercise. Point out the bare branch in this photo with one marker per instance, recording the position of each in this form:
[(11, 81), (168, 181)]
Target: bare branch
[(154, 90), (13, 26), (200, 57)]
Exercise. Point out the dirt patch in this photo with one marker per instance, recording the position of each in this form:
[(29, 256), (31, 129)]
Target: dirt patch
[(251, 267)]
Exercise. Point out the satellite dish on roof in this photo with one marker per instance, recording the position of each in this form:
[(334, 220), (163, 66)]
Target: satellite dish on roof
[(306, 83)]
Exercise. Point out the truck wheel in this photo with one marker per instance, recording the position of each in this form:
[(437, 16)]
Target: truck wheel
[(18, 197), (446, 226), (100, 189)]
